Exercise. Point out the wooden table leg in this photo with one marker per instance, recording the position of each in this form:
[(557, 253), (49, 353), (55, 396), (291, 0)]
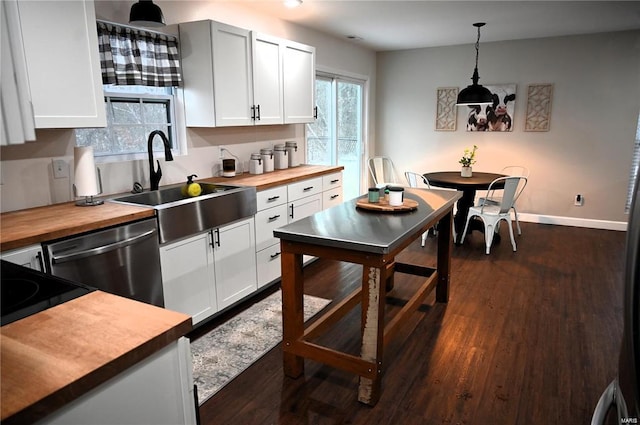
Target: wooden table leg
[(373, 302), (292, 311), (445, 246)]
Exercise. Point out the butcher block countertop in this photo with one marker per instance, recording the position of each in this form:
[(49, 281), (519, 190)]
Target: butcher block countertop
[(26, 227), (278, 177), (53, 357), (35, 225)]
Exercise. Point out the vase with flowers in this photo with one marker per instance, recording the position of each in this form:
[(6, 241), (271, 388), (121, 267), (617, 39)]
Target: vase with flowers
[(467, 160)]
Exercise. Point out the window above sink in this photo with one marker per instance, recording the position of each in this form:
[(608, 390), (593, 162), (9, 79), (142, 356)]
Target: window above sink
[(132, 113)]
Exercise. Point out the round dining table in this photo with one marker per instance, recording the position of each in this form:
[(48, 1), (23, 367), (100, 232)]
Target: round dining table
[(468, 186)]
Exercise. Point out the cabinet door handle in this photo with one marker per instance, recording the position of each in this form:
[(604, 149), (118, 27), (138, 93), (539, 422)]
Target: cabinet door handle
[(291, 215), (273, 198), (275, 217), (335, 181), (334, 196), (306, 189), (40, 261), (258, 113), (218, 237), (276, 255), (253, 112), (315, 113)]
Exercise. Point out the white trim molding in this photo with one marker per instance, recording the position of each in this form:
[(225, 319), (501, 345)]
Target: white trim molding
[(573, 221)]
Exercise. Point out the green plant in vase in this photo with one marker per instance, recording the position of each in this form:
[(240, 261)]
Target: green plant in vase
[(467, 160)]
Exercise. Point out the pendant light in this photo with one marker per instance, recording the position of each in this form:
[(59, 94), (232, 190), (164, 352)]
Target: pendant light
[(146, 14), (475, 94)]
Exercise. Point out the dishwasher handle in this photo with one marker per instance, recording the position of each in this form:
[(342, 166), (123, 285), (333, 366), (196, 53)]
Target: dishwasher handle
[(63, 258)]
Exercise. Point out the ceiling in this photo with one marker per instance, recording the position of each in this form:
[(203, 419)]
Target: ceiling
[(397, 25)]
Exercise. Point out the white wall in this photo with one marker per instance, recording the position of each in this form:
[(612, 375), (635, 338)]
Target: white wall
[(26, 171), (596, 102)]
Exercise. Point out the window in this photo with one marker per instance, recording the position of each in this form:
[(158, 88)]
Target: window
[(132, 113), (336, 137)]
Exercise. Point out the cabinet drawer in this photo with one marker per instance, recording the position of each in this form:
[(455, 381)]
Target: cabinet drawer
[(269, 265), (304, 188), (271, 197), (331, 198), (331, 181), (266, 221), (304, 207)]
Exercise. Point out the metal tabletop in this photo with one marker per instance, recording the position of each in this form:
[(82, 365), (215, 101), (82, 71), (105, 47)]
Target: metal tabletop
[(345, 226)]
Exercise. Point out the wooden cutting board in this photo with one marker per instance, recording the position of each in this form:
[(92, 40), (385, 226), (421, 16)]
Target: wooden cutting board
[(383, 206)]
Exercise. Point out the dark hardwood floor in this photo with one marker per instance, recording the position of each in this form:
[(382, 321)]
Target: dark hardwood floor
[(530, 337)]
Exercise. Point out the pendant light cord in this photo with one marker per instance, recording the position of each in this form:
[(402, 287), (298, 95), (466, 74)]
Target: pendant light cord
[(476, 77), (477, 46)]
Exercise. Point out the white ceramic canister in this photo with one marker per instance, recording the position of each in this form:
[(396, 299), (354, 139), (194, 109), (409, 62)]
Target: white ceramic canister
[(396, 196), (267, 159), (255, 164), (281, 159), (292, 153)]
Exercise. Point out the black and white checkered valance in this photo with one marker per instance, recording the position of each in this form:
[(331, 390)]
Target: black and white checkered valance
[(130, 56)]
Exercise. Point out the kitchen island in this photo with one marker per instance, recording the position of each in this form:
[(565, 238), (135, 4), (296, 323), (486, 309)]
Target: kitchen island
[(373, 239)]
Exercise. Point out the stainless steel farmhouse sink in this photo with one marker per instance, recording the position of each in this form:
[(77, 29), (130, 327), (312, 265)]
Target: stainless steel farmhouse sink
[(180, 216)]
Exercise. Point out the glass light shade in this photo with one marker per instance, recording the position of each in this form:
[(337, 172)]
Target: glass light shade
[(146, 14)]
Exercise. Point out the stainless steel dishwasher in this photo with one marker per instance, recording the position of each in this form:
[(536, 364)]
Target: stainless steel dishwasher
[(122, 260)]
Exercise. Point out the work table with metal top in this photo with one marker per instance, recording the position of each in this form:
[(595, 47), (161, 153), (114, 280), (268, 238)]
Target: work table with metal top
[(373, 239)]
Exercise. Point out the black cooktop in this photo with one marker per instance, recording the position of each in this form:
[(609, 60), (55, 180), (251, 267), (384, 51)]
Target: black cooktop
[(25, 291)]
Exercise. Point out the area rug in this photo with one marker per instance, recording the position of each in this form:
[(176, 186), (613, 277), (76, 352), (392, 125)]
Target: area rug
[(226, 351)]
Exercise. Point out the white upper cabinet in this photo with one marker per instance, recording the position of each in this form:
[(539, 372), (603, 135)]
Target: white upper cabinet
[(16, 111), (63, 65), (236, 77), (299, 71), (267, 78), (232, 75)]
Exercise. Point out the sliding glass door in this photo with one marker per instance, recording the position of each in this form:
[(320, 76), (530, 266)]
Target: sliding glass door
[(336, 137)]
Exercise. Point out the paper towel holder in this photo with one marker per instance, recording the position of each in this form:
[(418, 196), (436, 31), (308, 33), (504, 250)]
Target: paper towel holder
[(89, 201)]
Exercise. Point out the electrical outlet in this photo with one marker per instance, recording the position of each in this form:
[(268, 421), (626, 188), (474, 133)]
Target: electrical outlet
[(578, 201), (60, 169)]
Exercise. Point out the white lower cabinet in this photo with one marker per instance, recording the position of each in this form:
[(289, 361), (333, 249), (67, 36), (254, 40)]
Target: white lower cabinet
[(269, 267), (331, 190), (30, 257), (331, 198), (208, 272), (285, 204), (235, 262), (188, 277), (157, 390), (266, 221), (272, 213)]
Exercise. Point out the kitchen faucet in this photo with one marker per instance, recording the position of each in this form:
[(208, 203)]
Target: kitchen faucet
[(155, 176)]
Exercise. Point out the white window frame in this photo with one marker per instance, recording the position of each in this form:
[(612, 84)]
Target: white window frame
[(176, 125), (336, 75)]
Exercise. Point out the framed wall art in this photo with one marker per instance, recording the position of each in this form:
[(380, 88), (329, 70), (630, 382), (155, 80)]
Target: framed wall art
[(446, 110), (497, 116), (538, 116)]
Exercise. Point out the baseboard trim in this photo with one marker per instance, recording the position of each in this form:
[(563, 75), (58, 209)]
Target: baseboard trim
[(573, 221)]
